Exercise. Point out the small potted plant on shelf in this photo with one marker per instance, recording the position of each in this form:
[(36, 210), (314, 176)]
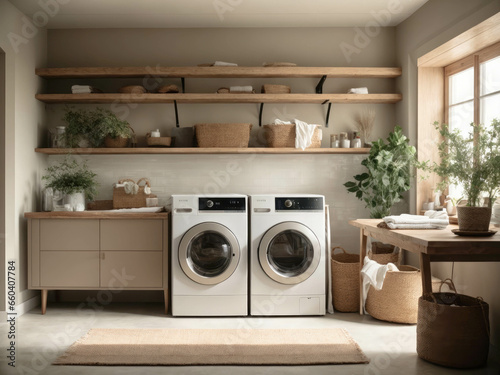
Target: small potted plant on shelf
[(94, 128), (72, 183), (390, 167), (473, 162)]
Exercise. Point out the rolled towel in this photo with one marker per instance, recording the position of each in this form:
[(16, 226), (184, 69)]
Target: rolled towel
[(222, 63), (373, 274), (236, 89), (432, 220), (358, 90)]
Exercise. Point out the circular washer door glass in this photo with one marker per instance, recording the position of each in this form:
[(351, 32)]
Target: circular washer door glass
[(290, 253), (209, 254)]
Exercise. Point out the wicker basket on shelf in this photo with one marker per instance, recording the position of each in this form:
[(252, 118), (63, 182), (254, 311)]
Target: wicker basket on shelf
[(223, 135), (121, 199), (284, 136), (276, 89)]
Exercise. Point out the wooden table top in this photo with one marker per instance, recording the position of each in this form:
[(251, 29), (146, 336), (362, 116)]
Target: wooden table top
[(431, 241)]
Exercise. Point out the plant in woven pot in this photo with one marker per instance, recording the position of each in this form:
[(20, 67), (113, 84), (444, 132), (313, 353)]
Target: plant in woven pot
[(73, 182), (390, 167), (472, 161), (93, 127)]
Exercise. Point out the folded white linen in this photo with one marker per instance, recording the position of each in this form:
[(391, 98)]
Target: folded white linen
[(83, 89), (373, 274), (223, 63), (430, 220), (303, 134), (281, 122), (358, 90), (248, 89)]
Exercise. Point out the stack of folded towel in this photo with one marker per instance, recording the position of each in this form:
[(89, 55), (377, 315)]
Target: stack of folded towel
[(222, 63), (358, 90), (83, 89), (236, 90), (431, 220)]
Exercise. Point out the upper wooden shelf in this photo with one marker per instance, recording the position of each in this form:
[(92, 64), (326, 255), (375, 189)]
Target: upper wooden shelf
[(196, 150), (219, 98), (220, 72)]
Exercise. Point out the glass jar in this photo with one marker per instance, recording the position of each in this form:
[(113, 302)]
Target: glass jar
[(57, 137), (334, 141)]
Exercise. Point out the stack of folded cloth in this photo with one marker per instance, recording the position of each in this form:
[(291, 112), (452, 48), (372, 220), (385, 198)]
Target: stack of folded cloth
[(83, 89), (236, 90), (431, 220), (358, 90), (218, 63)]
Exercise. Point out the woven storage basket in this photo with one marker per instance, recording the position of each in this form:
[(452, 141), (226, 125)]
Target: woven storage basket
[(397, 301), (345, 281), (159, 141), (123, 200), (276, 89), (453, 330), (223, 135), (284, 136), (132, 89), (384, 253), (118, 142)]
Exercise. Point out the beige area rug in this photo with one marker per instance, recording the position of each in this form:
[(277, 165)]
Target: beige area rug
[(184, 347)]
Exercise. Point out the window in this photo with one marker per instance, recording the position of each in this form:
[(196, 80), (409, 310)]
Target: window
[(472, 92)]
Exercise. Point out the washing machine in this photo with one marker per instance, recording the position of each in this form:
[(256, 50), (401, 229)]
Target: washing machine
[(287, 255), (209, 271)]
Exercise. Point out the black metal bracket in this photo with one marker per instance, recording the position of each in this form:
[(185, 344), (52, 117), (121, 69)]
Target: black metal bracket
[(327, 111), (260, 113), (183, 85), (176, 114), (319, 86)]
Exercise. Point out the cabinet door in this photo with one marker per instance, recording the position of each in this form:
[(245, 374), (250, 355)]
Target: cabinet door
[(131, 269), (140, 235), (74, 234), (69, 269)]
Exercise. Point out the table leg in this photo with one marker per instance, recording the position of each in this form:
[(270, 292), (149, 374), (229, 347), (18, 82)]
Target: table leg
[(44, 301), (425, 267), (362, 254)]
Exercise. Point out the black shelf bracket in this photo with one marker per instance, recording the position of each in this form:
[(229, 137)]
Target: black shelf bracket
[(176, 114), (260, 113), (319, 86), (327, 111), (183, 84)]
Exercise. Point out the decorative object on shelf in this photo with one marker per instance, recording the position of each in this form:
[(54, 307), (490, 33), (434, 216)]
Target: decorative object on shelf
[(472, 161), (223, 135), (159, 141), (364, 123), (118, 136), (358, 90), (356, 142), (130, 194), (344, 140), (451, 205), (93, 125), (284, 134), (167, 89), (84, 89), (132, 89), (389, 170), (275, 89), (155, 134), (334, 141), (437, 198), (71, 182), (57, 137)]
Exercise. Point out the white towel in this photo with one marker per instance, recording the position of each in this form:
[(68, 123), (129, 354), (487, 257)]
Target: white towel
[(430, 220), (358, 90), (303, 134), (83, 89), (373, 274), (248, 89), (222, 63)]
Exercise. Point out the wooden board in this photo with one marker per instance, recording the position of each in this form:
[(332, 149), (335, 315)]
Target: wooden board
[(95, 215), (218, 72)]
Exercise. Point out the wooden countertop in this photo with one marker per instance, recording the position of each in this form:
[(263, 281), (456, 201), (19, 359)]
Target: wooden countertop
[(96, 215)]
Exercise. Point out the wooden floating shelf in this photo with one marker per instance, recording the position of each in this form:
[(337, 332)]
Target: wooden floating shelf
[(219, 98), (220, 72), (195, 150)]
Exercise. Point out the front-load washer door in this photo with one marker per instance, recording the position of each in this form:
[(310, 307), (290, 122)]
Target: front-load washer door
[(209, 253), (289, 253)]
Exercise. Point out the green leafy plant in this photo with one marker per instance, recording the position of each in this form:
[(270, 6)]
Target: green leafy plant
[(93, 125), (471, 160), (70, 177), (390, 167)]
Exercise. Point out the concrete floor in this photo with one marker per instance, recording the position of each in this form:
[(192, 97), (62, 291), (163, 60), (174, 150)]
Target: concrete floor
[(41, 339)]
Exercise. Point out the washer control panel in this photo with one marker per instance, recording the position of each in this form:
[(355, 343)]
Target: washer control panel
[(299, 204), (222, 204)]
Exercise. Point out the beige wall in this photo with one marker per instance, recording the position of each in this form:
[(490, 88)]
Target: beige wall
[(23, 119), (432, 25), (320, 174), (2, 175)]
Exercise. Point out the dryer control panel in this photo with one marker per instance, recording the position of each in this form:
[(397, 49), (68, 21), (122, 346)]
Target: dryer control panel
[(302, 204), (222, 204)]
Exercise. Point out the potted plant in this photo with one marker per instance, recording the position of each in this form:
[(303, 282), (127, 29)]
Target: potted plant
[(94, 126), (390, 167), (73, 181), (472, 161)]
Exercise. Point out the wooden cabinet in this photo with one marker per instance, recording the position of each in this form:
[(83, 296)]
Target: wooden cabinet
[(97, 253)]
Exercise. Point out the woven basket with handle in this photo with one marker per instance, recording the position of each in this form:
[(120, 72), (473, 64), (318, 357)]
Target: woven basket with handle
[(345, 281), (284, 136), (384, 253), (123, 200), (223, 135)]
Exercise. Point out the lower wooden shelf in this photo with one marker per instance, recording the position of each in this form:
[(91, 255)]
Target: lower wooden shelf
[(196, 150)]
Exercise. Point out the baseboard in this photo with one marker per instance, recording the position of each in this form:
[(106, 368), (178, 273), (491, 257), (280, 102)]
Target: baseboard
[(28, 305)]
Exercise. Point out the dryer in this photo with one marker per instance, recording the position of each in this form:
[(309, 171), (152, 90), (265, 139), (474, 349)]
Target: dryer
[(209, 255), (287, 255)]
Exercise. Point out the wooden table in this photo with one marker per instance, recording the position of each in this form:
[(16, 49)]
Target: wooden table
[(432, 245)]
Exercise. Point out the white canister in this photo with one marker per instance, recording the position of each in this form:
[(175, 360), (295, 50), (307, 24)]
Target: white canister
[(334, 141), (356, 143), (346, 143), (155, 133)]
